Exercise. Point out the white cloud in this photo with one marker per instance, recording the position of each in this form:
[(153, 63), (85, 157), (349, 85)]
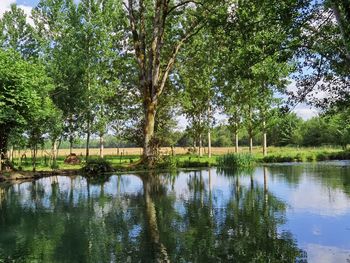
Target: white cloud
[(6, 4), (28, 11), (326, 254), (302, 110), (305, 112)]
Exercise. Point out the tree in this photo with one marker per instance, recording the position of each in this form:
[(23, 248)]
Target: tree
[(23, 88), (17, 34), (197, 82), (158, 30)]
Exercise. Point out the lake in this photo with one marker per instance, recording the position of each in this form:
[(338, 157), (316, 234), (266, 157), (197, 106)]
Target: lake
[(275, 213)]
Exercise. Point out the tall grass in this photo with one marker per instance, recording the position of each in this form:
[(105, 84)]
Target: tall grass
[(230, 160)]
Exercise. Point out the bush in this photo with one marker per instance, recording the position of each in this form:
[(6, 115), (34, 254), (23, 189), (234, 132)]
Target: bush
[(97, 167), (236, 160), (167, 162)]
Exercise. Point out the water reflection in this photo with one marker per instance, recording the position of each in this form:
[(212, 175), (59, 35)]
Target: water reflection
[(197, 216)]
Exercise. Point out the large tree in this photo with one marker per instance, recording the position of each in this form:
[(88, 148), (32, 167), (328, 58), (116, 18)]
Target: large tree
[(159, 29)]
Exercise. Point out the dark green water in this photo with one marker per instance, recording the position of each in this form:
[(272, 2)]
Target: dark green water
[(280, 213)]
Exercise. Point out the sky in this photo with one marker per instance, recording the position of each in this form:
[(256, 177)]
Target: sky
[(302, 110)]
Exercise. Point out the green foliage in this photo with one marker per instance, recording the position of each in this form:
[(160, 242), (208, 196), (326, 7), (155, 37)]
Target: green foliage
[(95, 167), (168, 162), (236, 160), (24, 94)]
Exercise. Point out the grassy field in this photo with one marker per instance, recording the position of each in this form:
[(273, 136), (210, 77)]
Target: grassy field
[(129, 156), (180, 151)]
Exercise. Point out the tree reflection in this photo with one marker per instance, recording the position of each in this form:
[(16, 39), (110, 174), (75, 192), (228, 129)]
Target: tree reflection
[(74, 220)]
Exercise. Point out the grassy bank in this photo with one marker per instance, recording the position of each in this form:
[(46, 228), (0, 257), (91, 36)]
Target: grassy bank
[(126, 162)]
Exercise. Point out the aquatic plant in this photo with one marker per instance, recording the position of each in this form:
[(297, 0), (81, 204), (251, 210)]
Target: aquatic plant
[(232, 160)]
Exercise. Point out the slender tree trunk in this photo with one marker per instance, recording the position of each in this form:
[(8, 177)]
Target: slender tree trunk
[(70, 145), (10, 155), (148, 147), (264, 139), (88, 140), (54, 152), (34, 154), (236, 142), (250, 142), (200, 146), (3, 141), (209, 143), (101, 146), (209, 129), (250, 129)]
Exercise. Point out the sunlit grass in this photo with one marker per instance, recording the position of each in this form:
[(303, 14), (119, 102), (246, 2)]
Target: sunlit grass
[(275, 154)]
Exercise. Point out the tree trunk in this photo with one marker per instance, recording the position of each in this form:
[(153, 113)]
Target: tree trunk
[(200, 148), (3, 141), (236, 142), (342, 29), (10, 156), (250, 128), (250, 143), (54, 152), (209, 143), (209, 132), (101, 146), (148, 147), (34, 154), (264, 139), (70, 145), (88, 140)]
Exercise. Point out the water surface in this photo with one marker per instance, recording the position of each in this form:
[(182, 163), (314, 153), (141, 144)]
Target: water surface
[(278, 213)]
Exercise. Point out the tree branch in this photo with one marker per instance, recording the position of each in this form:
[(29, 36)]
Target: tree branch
[(191, 32), (182, 4)]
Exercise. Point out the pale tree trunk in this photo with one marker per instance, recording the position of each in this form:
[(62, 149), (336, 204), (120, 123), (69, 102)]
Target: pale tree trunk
[(70, 145), (250, 142), (101, 146), (209, 143), (264, 139), (54, 152), (250, 130), (236, 142), (200, 148), (11, 154), (87, 144), (209, 130)]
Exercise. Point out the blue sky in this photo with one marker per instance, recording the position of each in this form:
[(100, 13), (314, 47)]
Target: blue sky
[(28, 2)]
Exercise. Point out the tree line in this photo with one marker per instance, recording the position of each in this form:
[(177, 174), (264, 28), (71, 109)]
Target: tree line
[(75, 70)]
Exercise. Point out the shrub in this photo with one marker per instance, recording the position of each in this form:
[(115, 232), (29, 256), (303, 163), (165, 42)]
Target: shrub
[(97, 166), (167, 162)]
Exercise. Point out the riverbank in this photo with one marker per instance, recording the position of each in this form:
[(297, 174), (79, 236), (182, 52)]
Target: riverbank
[(122, 164)]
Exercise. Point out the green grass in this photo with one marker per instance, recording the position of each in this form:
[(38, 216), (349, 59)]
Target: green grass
[(239, 160), (125, 163)]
